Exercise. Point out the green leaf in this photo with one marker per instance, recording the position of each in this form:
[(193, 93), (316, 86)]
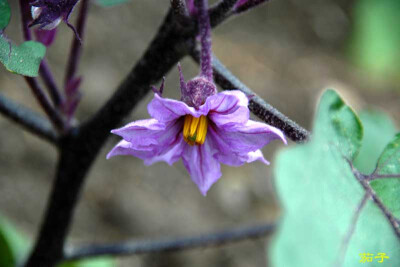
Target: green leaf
[(24, 59), (389, 161), (12, 245), (379, 129), (338, 122), (320, 194), (387, 189), (108, 3), (5, 14), (96, 262)]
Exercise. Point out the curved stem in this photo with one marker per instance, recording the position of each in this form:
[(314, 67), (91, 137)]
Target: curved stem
[(76, 47), (50, 83), (53, 115)]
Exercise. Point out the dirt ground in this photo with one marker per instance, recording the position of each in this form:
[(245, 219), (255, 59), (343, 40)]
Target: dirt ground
[(285, 51)]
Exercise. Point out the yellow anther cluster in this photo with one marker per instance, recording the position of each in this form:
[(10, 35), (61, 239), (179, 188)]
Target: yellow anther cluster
[(195, 130)]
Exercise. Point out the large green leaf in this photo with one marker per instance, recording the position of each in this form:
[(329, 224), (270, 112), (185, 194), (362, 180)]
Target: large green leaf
[(24, 59), (108, 3), (320, 194), (5, 14), (12, 244)]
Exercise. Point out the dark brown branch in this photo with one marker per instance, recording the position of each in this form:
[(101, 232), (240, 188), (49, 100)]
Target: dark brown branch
[(221, 11), (180, 10), (257, 105), (171, 244), (31, 121)]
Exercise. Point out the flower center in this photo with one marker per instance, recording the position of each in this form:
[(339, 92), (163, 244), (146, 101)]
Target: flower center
[(195, 130)]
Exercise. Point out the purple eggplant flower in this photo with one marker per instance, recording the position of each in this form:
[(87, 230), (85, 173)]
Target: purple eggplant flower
[(217, 131), (205, 128), (49, 13)]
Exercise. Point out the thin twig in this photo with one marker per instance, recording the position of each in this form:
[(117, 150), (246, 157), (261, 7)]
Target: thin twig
[(50, 83), (250, 4), (221, 11), (31, 121), (53, 114), (32, 82), (76, 47), (171, 244), (44, 69), (349, 234), (257, 105)]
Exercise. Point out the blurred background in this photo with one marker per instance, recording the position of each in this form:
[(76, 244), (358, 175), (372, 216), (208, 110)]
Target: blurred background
[(287, 51)]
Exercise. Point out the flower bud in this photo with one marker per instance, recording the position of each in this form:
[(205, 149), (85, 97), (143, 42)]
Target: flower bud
[(197, 91)]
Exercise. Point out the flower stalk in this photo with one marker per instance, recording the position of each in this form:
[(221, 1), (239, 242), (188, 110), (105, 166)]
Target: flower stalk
[(37, 91), (76, 47), (205, 39), (204, 129)]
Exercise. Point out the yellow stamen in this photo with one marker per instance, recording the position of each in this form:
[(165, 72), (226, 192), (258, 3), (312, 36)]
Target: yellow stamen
[(186, 126), (195, 130), (193, 125)]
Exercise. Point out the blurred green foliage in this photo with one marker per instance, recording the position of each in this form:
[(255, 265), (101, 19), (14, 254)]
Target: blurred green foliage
[(375, 40)]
